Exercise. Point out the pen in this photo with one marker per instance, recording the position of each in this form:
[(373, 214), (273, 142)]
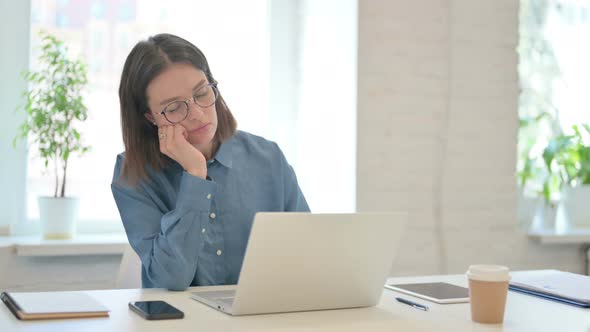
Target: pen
[(413, 304)]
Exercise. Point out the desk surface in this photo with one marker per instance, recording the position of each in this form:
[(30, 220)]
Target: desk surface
[(523, 313)]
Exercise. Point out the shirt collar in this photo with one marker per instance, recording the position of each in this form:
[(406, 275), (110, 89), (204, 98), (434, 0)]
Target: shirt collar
[(224, 153)]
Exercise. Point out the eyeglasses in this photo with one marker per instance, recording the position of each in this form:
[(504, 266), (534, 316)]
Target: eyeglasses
[(177, 111)]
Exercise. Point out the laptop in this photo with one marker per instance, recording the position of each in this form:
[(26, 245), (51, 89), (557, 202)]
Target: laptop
[(302, 261)]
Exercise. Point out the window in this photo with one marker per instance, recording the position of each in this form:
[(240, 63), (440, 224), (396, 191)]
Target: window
[(568, 25), (287, 70), (553, 70), (103, 32)]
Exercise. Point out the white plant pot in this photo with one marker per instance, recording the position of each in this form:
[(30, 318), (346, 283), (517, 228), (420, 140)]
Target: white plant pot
[(544, 218), (576, 205), (58, 216)]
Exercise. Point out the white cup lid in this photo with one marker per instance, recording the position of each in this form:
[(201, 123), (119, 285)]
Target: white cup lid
[(488, 273)]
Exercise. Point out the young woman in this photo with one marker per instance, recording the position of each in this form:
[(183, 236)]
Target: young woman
[(188, 184)]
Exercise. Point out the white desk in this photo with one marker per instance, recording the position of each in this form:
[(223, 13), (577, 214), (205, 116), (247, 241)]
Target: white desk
[(523, 313)]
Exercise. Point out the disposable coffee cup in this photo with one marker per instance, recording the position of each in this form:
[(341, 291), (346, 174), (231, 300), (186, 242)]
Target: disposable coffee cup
[(488, 288)]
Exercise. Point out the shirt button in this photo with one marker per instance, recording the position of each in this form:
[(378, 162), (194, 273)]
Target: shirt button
[(212, 215), (218, 252), (203, 230), (208, 196)]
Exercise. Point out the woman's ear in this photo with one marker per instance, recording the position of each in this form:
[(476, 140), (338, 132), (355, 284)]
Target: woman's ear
[(150, 117)]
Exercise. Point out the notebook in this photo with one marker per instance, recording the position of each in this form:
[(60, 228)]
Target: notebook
[(52, 305), (555, 285)]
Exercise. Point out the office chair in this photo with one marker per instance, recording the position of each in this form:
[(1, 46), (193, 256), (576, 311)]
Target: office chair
[(129, 275)]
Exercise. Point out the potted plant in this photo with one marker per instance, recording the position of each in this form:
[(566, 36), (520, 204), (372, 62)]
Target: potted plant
[(568, 159), (537, 194), (54, 104)]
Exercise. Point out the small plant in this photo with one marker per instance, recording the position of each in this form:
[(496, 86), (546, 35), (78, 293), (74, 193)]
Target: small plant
[(567, 157), (53, 104)]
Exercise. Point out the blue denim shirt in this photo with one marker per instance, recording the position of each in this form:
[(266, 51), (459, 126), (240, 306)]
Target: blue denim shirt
[(189, 231)]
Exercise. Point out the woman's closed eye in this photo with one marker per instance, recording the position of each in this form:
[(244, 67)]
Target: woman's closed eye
[(174, 107), (200, 94)]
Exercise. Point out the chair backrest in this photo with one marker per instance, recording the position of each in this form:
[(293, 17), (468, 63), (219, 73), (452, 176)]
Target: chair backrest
[(129, 271)]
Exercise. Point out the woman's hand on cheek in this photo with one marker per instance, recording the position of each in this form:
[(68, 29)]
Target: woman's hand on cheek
[(174, 144)]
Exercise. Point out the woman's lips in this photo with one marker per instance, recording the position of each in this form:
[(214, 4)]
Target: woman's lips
[(200, 129)]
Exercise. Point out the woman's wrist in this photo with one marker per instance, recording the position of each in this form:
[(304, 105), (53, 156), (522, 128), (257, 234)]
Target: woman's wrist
[(202, 173)]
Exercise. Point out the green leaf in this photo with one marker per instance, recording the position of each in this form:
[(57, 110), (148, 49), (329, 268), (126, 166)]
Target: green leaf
[(546, 192), (576, 130)]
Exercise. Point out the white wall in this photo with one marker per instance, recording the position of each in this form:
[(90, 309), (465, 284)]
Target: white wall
[(437, 125), (14, 57)]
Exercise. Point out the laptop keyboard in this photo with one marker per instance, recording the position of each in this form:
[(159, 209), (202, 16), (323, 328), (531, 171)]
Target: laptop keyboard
[(223, 297), (227, 301), (222, 294)]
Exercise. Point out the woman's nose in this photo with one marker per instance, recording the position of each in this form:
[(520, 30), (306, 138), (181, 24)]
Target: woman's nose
[(195, 112)]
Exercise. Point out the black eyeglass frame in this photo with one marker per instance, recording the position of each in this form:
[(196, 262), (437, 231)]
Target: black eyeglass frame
[(186, 101)]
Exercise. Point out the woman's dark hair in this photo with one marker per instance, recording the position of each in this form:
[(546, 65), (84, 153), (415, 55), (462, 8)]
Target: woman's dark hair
[(146, 61)]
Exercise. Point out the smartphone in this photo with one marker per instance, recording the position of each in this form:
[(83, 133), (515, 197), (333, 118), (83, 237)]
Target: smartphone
[(154, 310)]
